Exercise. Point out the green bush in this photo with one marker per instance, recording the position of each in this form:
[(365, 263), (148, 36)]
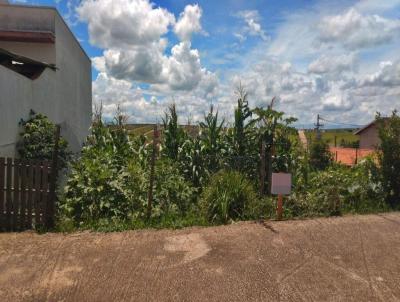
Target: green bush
[(38, 139), (320, 157), (173, 195), (98, 188), (389, 157), (111, 181), (338, 190), (228, 196)]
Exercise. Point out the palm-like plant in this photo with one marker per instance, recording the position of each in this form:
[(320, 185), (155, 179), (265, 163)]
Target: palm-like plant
[(273, 133)]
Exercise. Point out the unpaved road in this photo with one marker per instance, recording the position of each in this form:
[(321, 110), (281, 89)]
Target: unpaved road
[(354, 258)]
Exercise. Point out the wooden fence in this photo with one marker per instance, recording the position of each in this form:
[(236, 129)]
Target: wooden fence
[(27, 196)]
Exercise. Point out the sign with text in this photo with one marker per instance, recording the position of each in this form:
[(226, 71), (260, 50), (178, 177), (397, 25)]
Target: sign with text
[(281, 183)]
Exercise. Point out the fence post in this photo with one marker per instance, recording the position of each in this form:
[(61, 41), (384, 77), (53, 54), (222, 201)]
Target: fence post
[(2, 191), (356, 156), (50, 207), (152, 166), (262, 168)]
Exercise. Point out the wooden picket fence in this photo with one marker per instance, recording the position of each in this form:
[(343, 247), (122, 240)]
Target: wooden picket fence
[(27, 195)]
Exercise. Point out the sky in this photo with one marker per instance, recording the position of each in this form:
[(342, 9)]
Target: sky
[(339, 59)]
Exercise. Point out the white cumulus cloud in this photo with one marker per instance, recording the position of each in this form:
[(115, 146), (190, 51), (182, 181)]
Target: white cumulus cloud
[(123, 23), (189, 22), (355, 30)]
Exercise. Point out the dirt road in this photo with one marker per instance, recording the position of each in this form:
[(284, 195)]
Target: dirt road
[(303, 138), (355, 258)]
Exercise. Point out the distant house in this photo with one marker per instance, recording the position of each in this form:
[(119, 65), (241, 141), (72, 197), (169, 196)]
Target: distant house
[(44, 68), (369, 137)]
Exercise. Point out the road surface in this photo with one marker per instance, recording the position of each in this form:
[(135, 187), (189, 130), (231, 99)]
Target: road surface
[(303, 138), (353, 258)]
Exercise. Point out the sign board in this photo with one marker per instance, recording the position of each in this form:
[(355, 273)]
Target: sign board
[(281, 183)]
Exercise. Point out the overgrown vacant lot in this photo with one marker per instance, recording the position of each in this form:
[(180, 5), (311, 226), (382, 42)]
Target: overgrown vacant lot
[(353, 258)]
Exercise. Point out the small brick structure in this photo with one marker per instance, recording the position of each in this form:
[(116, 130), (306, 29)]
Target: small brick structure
[(349, 156)]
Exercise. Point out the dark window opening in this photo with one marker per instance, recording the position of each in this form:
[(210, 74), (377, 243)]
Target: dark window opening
[(27, 67)]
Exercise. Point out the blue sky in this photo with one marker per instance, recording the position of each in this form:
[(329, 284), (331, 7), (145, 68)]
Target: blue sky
[(336, 58)]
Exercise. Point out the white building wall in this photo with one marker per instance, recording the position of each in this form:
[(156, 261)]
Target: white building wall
[(64, 95)]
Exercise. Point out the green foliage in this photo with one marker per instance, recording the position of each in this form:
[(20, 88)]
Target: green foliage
[(174, 136), (241, 130), (389, 157), (274, 131), (343, 137), (95, 187), (212, 144), (172, 193), (210, 177), (38, 139), (228, 196), (337, 190), (203, 155), (192, 162), (110, 181), (320, 157)]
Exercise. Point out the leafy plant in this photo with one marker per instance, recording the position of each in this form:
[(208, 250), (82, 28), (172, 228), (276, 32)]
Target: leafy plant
[(337, 190), (174, 136), (241, 129), (38, 140), (172, 193), (212, 145), (389, 156), (273, 131), (320, 157), (227, 197), (111, 181)]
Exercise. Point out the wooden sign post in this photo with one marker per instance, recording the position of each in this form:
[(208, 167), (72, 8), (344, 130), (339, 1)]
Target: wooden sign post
[(281, 185), (279, 208)]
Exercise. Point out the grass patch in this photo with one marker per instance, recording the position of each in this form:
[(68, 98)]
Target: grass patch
[(66, 225), (345, 136)]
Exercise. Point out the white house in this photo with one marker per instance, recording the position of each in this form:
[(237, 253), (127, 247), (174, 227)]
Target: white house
[(44, 68)]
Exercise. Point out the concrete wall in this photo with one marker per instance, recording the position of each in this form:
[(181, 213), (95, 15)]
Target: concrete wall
[(64, 95), (42, 52), (19, 95), (27, 18), (369, 138), (73, 86)]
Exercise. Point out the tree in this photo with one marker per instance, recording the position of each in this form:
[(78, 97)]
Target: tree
[(389, 156), (273, 130), (320, 156)]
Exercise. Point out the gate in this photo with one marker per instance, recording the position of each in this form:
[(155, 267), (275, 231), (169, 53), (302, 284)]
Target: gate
[(27, 194)]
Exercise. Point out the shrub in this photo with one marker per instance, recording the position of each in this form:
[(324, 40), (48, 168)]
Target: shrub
[(338, 190), (98, 188), (320, 157), (111, 180), (38, 139), (228, 196), (389, 157), (173, 195)]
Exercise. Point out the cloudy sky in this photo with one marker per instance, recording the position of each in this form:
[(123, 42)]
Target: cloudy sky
[(339, 58)]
